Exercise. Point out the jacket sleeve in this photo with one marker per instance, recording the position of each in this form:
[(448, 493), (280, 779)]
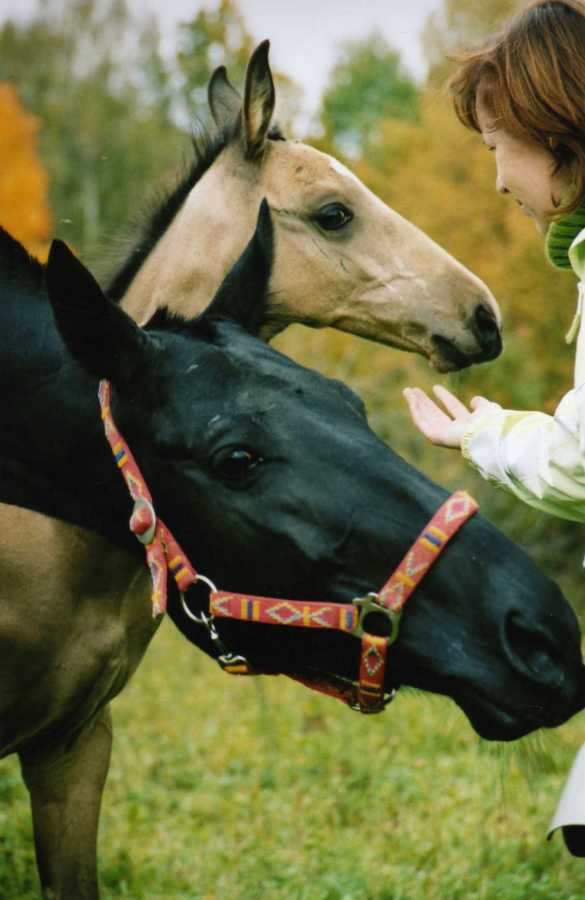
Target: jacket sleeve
[(536, 457)]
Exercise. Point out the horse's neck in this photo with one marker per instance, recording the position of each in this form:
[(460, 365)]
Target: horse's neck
[(190, 260), (32, 349), (75, 616), (53, 455), (35, 548), (29, 488)]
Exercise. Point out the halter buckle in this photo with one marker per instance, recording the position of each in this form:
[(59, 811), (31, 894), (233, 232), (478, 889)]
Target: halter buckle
[(355, 704), (232, 663), (370, 604)]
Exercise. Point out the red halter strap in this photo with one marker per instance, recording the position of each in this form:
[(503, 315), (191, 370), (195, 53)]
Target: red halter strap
[(353, 617), (162, 550), (164, 553)]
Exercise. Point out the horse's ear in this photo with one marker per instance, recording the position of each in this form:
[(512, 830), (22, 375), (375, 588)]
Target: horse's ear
[(225, 102), (259, 99), (97, 332), (242, 294)]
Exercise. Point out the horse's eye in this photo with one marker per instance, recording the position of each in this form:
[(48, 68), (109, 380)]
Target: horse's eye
[(333, 216), (235, 464)]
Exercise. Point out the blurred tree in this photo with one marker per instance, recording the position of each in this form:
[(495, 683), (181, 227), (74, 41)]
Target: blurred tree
[(215, 37), (367, 84), (24, 210), (219, 37), (95, 76), (460, 24)]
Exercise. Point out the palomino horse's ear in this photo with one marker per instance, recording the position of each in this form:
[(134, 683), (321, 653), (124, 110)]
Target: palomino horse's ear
[(242, 294), (97, 332), (225, 102), (259, 99)]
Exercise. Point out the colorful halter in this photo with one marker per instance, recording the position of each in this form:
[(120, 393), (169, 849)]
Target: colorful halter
[(379, 611)]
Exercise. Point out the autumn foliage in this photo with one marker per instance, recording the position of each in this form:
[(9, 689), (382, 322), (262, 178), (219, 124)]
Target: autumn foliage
[(24, 210)]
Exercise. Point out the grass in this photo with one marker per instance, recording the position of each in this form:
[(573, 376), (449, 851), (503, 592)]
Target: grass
[(255, 788)]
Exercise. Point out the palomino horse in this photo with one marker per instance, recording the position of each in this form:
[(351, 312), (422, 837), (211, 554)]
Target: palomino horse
[(342, 257), (242, 448)]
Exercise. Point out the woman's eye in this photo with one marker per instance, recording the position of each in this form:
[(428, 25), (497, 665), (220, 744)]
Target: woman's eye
[(333, 216), (236, 464)]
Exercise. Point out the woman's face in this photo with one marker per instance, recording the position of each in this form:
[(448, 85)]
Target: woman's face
[(525, 170)]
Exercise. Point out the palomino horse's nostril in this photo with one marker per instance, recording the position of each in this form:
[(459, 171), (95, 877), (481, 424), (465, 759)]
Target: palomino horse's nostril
[(487, 331)]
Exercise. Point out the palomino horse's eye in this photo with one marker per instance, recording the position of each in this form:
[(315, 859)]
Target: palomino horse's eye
[(235, 464), (333, 216)]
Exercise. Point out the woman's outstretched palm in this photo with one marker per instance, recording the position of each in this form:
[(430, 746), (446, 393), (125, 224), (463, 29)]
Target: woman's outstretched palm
[(445, 428)]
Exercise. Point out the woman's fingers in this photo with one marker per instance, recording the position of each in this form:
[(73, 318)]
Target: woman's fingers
[(446, 429), (452, 404), (478, 402), (420, 407), (430, 419)]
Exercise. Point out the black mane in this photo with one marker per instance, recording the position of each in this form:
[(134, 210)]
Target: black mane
[(206, 149), (165, 320)]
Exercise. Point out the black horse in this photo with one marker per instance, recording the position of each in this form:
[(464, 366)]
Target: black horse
[(274, 484)]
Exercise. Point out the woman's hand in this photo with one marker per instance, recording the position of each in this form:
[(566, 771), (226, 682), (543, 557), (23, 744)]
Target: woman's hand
[(446, 429)]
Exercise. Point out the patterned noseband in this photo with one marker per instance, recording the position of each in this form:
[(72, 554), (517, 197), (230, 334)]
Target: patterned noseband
[(374, 619)]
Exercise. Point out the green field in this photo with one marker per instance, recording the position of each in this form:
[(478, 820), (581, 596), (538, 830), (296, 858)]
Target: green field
[(257, 788)]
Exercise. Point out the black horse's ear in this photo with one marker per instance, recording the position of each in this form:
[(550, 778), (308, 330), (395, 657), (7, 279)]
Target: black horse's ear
[(242, 294), (225, 102), (97, 332), (259, 100)]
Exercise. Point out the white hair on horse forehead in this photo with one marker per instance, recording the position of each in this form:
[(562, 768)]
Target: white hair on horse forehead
[(342, 170)]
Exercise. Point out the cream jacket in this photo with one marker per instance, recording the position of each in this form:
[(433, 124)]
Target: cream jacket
[(537, 457)]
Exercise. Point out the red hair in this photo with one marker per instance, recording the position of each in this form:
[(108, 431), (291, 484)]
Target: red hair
[(531, 78)]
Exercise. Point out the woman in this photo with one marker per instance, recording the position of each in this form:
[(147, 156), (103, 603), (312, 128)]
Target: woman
[(524, 93)]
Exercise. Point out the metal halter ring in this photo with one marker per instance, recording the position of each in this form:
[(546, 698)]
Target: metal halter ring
[(229, 662), (355, 704), (371, 604), (201, 618)]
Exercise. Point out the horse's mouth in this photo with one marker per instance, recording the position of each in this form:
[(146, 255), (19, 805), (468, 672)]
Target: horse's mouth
[(502, 725), (447, 357), (496, 723)]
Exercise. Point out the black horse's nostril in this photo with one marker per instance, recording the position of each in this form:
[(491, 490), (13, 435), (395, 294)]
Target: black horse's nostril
[(533, 653), (487, 331)]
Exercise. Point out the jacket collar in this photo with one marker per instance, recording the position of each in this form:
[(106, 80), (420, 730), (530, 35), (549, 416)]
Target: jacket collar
[(565, 249), (561, 236)]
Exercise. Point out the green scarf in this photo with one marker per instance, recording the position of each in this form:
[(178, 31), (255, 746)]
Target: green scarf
[(560, 235)]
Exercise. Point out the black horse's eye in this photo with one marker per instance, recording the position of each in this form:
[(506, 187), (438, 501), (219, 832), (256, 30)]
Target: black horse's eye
[(235, 464), (333, 217)]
